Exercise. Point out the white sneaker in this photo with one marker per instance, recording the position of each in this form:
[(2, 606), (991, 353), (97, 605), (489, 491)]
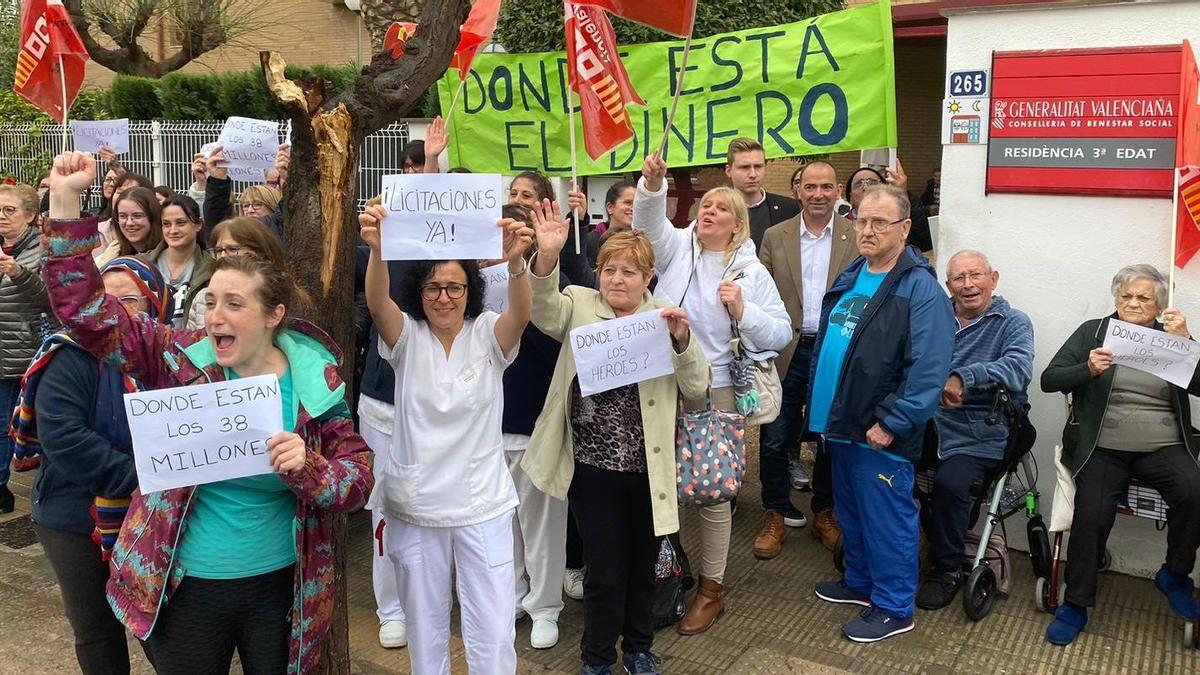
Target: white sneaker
[(573, 584), (544, 634), (392, 634)]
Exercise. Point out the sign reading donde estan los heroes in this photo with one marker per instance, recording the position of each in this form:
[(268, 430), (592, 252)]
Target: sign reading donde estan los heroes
[(203, 433), (1089, 121)]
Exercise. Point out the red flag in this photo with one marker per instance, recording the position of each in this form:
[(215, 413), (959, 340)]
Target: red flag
[(670, 16), (1187, 217), (475, 31), (598, 76), (1187, 150), (46, 36), (397, 36)]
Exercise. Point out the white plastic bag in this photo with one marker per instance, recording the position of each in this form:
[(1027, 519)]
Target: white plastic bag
[(1062, 510)]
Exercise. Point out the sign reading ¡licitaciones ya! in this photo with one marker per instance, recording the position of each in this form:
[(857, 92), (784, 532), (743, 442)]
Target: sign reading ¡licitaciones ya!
[(825, 84), (203, 433), (1086, 121)]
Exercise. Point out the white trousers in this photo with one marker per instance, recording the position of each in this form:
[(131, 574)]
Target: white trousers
[(383, 572), (539, 544), (481, 556)]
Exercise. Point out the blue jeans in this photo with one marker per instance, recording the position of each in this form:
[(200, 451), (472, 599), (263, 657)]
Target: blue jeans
[(8, 400), (782, 436), (873, 497)]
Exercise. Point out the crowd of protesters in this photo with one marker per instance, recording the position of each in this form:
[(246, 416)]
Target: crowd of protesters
[(472, 444)]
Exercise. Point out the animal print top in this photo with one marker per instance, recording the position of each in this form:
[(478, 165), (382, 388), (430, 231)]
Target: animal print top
[(606, 429)]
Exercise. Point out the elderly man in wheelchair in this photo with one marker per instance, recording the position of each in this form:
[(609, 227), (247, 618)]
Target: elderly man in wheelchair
[(1126, 424), (992, 346)]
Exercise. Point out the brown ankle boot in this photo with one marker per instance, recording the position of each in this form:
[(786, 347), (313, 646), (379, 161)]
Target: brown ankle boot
[(707, 605)]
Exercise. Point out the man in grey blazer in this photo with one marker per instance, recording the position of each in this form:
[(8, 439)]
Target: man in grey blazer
[(804, 255)]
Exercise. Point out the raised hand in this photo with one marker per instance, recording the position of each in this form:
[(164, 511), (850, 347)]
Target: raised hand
[(216, 164), (897, 176), (368, 225), (436, 138), (283, 159), (72, 173), (679, 327), (654, 170), (199, 169), (549, 226), (518, 237)]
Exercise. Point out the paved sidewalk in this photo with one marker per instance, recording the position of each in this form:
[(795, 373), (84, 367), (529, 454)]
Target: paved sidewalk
[(773, 624)]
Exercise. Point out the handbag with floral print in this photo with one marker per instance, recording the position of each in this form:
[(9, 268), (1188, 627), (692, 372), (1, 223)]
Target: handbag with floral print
[(710, 456)]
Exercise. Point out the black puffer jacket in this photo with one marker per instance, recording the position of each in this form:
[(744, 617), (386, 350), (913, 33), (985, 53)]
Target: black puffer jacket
[(24, 307)]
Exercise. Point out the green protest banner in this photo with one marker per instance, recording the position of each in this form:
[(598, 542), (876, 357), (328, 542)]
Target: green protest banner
[(822, 85)]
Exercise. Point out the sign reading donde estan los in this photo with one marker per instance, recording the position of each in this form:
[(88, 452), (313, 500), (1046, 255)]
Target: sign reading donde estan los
[(1089, 121)]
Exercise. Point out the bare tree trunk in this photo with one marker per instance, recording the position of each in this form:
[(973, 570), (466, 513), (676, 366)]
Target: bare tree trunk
[(319, 199)]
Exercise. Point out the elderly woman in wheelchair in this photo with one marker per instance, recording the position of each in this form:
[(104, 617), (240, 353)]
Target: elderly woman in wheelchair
[(1126, 424)]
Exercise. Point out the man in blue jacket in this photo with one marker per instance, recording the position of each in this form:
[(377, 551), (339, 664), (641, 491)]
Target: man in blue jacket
[(884, 349), (993, 343)]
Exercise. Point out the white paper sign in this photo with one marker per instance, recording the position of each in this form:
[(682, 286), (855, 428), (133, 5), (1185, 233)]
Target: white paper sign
[(495, 297), (623, 351), (442, 216), (203, 433), (92, 136), (1161, 354), (207, 149), (249, 146)]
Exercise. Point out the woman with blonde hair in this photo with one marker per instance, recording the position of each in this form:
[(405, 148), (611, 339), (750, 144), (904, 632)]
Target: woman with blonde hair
[(711, 270)]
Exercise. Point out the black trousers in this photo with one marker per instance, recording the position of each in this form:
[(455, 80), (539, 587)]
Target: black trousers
[(574, 543), (950, 510), (617, 528), (206, 619), (100, 640), (1098, 487)]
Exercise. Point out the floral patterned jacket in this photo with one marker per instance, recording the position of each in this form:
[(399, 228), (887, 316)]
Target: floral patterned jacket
[(336, 476)]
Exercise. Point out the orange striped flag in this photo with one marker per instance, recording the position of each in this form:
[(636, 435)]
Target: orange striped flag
[(1187, 217)]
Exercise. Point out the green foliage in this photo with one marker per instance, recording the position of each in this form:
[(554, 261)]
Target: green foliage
[(189, 97), (537, 25), (134, 97), (10, 41)]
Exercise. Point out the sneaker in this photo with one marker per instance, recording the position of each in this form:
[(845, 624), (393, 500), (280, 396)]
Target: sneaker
[(573, 584), (393, 634), (1179, 591), (939, 590), (641, 663), (799, 477), (795, 519), (839, 593), (8, 501), (544, 634), (875, 624), (585, 669), (1068, 622)]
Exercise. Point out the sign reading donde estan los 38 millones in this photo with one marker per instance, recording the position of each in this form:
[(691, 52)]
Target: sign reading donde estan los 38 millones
[(1089, 121)]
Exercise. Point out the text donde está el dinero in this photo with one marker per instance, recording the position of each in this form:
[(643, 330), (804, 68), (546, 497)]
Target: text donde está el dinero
[(204, 455)]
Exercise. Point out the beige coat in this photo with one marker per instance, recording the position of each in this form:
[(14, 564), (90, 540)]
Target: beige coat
[(550, 459), (780, 254)]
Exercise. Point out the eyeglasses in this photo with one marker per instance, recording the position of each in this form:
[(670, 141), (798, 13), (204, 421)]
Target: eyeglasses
[(863, 183), (876, 224), (256, 206), (9, 211), (131, 218), (222, 251), (961, 279), (432, 292), (111, 180), (411, 168)]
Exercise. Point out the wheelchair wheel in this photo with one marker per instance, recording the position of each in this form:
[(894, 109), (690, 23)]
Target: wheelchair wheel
[(1041, 594), (1039, 546), (979, 593), (839, 556)]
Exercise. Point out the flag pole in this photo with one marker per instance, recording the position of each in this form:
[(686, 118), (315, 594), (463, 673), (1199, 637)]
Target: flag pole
[(462, 85), (571, 126), (687, 47), (1174, 239), (62, 78)]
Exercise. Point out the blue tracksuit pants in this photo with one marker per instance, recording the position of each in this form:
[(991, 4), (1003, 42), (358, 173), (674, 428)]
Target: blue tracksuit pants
[(873, 498)]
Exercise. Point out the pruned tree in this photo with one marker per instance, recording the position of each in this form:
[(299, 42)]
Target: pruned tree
[(379, 15), (115, 31), (320, 196)]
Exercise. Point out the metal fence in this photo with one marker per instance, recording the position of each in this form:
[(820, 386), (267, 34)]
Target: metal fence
[(163, 151)]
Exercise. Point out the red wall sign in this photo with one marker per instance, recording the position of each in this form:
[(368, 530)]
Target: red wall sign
[(1086, 121)]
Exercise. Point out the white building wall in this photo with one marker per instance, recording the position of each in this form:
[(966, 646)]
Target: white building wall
[(1057, 254)]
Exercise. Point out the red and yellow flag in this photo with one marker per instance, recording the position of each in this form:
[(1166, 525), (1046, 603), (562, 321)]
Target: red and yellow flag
[(52, 55), (1187, 216), (475, 31), (596, 73)]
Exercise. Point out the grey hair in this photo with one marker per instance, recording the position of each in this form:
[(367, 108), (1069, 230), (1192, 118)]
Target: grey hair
[(968, 253), (897, 195), (1131, 273)]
